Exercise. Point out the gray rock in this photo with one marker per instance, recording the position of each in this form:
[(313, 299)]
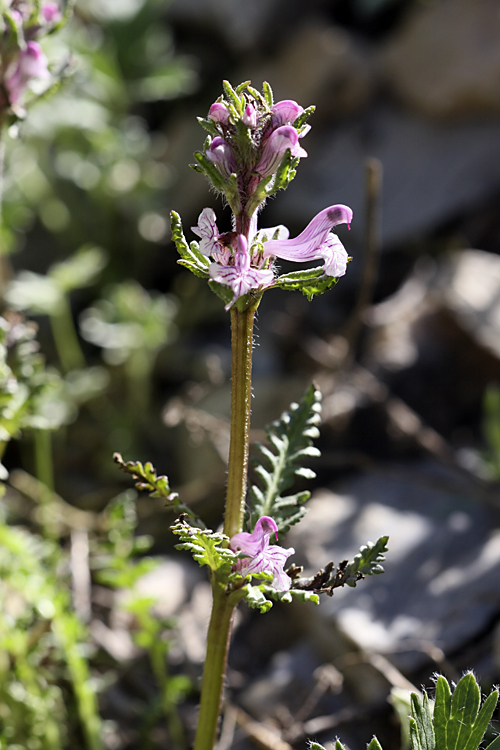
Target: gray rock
[(441, 585), (431, 173), (444, 61)]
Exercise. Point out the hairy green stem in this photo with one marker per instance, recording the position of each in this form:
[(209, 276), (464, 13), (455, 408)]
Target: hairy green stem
[(214, 671), (241, 394)]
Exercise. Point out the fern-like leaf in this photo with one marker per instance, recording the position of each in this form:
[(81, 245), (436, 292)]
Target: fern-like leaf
[(366, 563), (207, 547), (190, 255), (146, 480), (280, 462)]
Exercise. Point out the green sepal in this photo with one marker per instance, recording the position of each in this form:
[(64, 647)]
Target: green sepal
[(303, 118), (277, 466), (256, 95), (210, 171), (207, 547), (309, 281), (208, 125), (421, 727), (374, 744), (233, 97), (147, 480), (262, 191), (241, 87), (190, 255), (268, 93), (285, 173), (442, 710)]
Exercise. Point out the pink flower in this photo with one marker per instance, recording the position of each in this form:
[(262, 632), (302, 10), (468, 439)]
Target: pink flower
[(218, 112), (207, 230), (281, 139), (261, 556), (240, 276), (30, 64), (316, 242), (285, 113), (249, 117), (51, 12), (220, 153)]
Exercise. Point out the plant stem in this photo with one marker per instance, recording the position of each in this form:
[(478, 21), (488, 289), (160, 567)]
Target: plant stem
[(219, 632), (66, 339), (241, 394)]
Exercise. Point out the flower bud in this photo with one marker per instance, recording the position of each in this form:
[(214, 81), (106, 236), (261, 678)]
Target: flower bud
[(220, 153), (51, 12), (279, 141), (219, 113), (249, 117), (31, 63)]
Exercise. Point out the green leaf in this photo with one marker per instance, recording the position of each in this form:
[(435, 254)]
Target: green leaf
[(280, 462), (459, 724), (374, 745), (317, 746), (287, 596), (207, 547), (256, 599), (310, 281), (494, 744), (367, 561), (190, 255), (80, 270), (225, 293), (146, 480), (302, 119)]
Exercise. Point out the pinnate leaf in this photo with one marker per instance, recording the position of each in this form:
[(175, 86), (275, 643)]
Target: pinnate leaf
[(190, 255), (207, 547), (280, 462)]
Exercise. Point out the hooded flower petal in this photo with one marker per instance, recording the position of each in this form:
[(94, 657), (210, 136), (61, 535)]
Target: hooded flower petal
[(279, 141), (240, 276), (285, 113), (221, 154), (218, 112), (51, 12), (314, 242), (261, 556), (249, 117), (30, 64)]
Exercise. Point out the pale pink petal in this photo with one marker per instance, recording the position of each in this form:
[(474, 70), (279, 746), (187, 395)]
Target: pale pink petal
[(207, 230), (219, 113), (285, 113), (279, 141), (313, 243), (221, 154)]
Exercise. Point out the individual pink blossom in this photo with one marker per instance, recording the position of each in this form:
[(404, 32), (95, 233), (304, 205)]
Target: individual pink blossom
[(240, 276), (31, 63), (316, 242), (221, 154), (249, 117), (285, 113), (261, 557), (281, 139), (207, 230), (219, 113), (51, 12)]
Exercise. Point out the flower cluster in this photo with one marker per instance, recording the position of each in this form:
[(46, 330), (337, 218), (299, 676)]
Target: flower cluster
[(21, 57), (260, 556), (252, 151)]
